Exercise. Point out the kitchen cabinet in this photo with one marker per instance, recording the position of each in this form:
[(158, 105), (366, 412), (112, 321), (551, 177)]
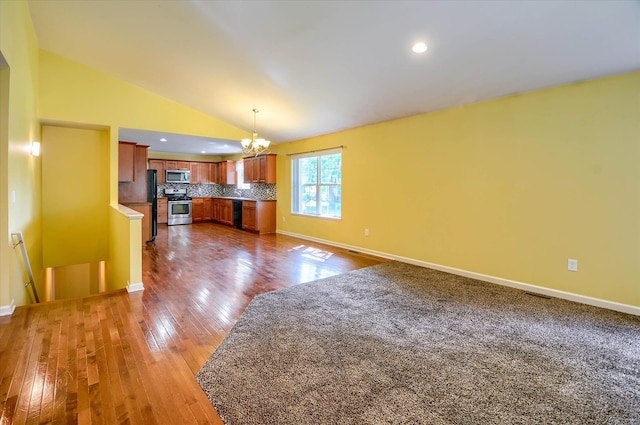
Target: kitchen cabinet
[(126, 162), (259, 216), (135, 191), (203, 173), (177, 165), (260, 169), (163, 211), (249, 215), (226, 211), (213, 172), (159, 164), (248, 169), (208, 209), (216, 209), (195, 175), (200, 173), (226, 172), (223, 172), (202, 209), (197, 209)]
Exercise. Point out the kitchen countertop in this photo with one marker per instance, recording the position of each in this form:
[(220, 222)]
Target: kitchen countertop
[(242, 199), (225, 197)]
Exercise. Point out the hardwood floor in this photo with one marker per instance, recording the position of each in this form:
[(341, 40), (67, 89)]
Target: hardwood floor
[(121, 358)]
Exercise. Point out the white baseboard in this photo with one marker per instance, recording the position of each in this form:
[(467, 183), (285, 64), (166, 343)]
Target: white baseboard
[(133, 287), (7, 310), (597, 302)]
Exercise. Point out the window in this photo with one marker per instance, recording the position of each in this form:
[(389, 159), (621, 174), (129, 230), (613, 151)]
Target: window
[(240, 175), (317, 184)]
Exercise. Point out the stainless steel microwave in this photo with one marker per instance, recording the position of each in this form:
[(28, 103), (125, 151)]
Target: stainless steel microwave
[(178, 176)]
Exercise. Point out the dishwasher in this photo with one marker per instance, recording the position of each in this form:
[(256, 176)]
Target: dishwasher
[(237, 213)]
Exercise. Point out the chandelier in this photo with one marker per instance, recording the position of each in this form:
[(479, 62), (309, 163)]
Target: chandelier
[(256, 145)]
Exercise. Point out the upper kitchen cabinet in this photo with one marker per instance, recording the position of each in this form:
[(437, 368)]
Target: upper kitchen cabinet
[(203, 172), (177, 165), (159, 164), (223, 172), (200, 173), (135, 191), (195, 173), (126, 162), (226, 172), (260, 169), (214, 174)]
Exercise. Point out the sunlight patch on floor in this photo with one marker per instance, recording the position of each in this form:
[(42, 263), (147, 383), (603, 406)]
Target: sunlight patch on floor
[(311, 253)]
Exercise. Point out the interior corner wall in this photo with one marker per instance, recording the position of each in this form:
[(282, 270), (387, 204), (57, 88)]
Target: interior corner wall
[(21, 180), (75, 196), (510, 188)]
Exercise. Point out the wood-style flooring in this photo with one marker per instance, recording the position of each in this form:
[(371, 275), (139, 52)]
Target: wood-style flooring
[(120, 358)]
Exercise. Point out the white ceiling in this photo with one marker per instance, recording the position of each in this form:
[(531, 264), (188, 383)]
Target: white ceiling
[(316, 67)]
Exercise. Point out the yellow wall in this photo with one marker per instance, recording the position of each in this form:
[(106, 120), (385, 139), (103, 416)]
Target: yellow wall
[(75, 201), (125, 252), (73, 92), (510, 188), (78, 280), (20, 171)]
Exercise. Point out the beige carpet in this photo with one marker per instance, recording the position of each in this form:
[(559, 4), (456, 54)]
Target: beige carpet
[(400, 344)]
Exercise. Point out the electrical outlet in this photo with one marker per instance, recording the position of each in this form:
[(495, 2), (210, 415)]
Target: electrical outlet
[(366, 232), (283, 219), (572, 265)]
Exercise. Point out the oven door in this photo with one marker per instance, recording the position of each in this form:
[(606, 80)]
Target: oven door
[(179, 212)]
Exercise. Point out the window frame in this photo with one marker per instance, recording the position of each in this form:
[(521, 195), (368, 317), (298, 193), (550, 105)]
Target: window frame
[(297, 185)]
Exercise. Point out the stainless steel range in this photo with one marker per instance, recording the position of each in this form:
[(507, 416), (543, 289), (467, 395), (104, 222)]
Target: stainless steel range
[(179, 207)]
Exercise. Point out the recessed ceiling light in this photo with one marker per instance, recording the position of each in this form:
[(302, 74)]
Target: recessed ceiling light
[(225, 146), (163, 140), (203, 152), (419, 47), (212, 143)]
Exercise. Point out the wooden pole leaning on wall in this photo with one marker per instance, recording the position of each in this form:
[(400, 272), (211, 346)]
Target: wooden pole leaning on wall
[(25, 260)]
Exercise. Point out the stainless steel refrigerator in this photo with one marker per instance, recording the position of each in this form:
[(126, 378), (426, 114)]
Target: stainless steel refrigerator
[(152, 196)]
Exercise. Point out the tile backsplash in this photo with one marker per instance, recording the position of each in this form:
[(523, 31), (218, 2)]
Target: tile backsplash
[(258, 191)]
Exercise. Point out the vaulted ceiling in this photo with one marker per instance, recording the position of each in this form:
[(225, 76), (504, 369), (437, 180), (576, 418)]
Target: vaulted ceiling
[(316, 67)]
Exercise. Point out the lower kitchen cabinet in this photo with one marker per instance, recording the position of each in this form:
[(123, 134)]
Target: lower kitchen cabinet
[(163, 211), (226, 211), (208, 209), (249, 215), (197, 209), (259, 216), (202, 209), (216, 209)]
